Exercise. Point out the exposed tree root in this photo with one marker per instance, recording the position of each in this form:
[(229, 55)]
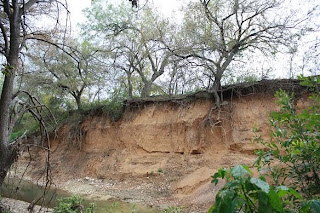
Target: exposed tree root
[(76, 135)]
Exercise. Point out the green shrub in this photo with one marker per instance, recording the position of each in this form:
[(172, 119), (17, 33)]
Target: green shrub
[(112, 207), (114, 109), (133, 208), (72, 205), (295, 143), (291, 157), (173, 209), (248, 194), (15, 135)]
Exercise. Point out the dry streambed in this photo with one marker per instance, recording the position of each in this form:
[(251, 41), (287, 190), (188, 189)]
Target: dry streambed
[(87, 188)]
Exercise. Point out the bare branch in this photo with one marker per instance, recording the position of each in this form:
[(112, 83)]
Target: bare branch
[(27, 6), (5, 38)]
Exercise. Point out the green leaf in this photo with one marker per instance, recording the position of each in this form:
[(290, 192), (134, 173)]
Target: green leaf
[(264, 186), (312, 206), (220, 174), (264, 205), (315, 206), (239, 172), (305, 208), (295, 193), (224, 201), (237, 203), (282, 191), (211, 210), (275, 201)]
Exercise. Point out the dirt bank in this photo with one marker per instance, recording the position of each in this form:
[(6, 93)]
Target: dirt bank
[(161, 153)]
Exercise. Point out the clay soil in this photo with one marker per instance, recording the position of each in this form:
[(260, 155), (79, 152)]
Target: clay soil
[(158, 154)]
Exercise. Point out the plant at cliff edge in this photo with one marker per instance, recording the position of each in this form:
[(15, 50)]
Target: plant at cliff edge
[(292, 155), (290, 162)]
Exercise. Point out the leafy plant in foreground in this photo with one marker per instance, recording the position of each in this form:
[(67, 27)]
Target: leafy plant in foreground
[(244, 193), (295, 143), (72, 205), (290, 162)]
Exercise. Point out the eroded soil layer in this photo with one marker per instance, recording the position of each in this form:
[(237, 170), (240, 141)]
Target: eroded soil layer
[(159, 154)]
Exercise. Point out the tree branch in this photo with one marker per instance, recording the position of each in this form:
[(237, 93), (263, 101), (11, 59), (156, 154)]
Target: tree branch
[(27, 6), (5, 38)]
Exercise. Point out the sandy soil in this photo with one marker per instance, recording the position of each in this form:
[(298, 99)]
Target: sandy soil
[(158, 154), (184, 180), (18, 206)]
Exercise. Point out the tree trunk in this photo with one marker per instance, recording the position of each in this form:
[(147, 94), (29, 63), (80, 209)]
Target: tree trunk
[(215, 90), (172, 84), (7, 158), (8, 153), (4, 152), (216, 96), (130, 89), (146, 90), (78, 101)]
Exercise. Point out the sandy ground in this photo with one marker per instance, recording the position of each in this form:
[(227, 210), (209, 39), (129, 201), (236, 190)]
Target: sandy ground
[(182, 180), (18, 206)]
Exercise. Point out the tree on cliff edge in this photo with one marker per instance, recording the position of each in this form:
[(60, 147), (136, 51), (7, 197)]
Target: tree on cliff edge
[(216, 33)]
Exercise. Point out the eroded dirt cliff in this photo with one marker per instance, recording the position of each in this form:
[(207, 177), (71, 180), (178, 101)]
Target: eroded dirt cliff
[(164, 152)]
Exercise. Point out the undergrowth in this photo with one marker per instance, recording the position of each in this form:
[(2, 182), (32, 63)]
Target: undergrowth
[(173, 209), (288, 166), (27, 125), (73, 204)]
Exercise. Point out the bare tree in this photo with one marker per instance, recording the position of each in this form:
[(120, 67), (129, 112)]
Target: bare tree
[(134, 53)]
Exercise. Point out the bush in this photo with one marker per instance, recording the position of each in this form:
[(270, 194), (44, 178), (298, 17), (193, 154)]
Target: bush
[(291, 157), (72, 205), (295, 143), (112, 207), (114, 109), (173, 209), (248, 194)]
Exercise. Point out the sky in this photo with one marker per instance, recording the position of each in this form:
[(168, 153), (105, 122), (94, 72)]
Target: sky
[(167, 7), (75, 7)]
